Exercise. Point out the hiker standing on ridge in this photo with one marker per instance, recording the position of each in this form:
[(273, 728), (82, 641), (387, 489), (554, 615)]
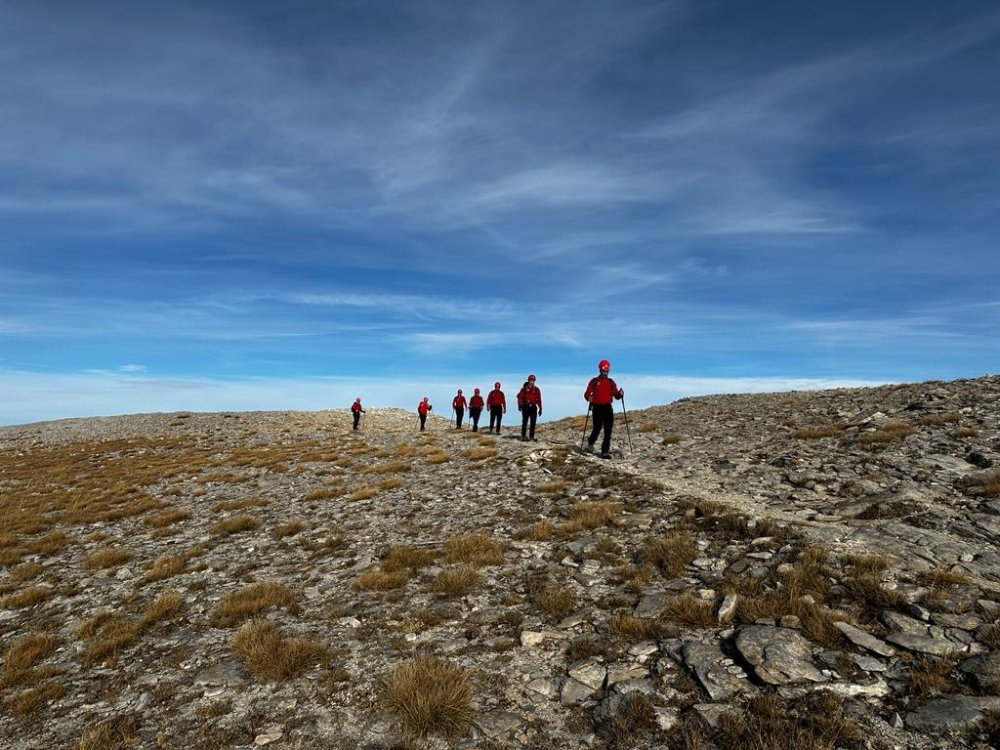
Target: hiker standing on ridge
[(601, 392), (422, 408), (475, 409), (496, 402), (529, 403), (357, 411), (458, 404)]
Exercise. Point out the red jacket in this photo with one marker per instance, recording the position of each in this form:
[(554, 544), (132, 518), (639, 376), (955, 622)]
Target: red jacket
[(601, 390), (356, 407), (458, 402), (476, 402), (530, 395), (496, 398), (423, 407)]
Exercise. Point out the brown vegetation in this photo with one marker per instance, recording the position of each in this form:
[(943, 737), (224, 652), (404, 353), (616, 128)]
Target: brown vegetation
[(431, 697), (273, 656)]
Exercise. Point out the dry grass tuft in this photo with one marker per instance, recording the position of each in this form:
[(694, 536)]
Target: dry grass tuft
[(325, 493), (556, 603), (252, 600), (110, 557), (479, 454), (689, 611), (931, 676), (538, 532), (815, 433), (629, 629), (26, 597), (632, 726), (939, 419), (648, 427), (164, 607), (991, 483), (474, 549), (119, 734), (166, 518), (225, 506), (457, 581), (23, 654), (234, 525), (273, 656), (815, 722), (54, 541), (438, 456), (393, 467), (965, 432), (431, 697), (381, 580), (166, 566), (593, 514), (940, 578), (889, 433), (28, 700), (364, 492), (404, 557), (288, 528), (670, 554), (671, 438), (554, 486), (107, 634)]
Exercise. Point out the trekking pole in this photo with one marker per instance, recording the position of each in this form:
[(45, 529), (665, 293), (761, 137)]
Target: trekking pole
[(625, 414), (585, 420)]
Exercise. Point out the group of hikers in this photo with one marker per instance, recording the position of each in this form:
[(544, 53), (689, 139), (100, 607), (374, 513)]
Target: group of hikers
[(601, 393)]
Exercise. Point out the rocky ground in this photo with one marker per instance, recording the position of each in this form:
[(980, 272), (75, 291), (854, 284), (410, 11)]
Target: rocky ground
[(794, 570)]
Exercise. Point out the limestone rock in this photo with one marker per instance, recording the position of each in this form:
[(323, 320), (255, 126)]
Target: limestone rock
[(778, 656)]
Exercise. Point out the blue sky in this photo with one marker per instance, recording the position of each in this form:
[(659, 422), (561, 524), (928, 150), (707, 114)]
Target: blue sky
[(247, 205)]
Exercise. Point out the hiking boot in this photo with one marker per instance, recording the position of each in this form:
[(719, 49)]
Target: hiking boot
[(605, 454), (590, 447)]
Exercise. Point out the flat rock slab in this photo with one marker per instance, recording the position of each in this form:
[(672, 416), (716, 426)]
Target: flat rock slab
[(926, 644), (778, 656), (865, 640), (951, 712), (984, 669), (721, 678)]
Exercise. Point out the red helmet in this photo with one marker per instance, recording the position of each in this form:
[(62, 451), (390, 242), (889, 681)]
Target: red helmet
[(477, 391), (531, 377), (459, 390), (358, 398), (604, 365), (426, 399), (496, 384)]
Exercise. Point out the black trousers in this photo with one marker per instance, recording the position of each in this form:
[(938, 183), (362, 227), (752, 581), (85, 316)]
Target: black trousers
[(496, 417), (529, 414), (459, 415), (357, 419), (474, 416), (423, 419), (604, 419)]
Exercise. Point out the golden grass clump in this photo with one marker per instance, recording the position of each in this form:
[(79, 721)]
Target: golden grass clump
[(591, 514), (941, 418), (381, 580), (648, 427), (363, 492), (109, 557), (165, 566), (670, 554), (272, 656), (234, 525), (815, 433), (107, 634), (941, 578), (457, 581), (390, 483), (887, 434), (479, 454), (630, 629), (252, 600), (538, 532), (991, 483), (288, 528), (23, 654), (326, 493), (164, 607), (556, 602), (553, 487), (25, 702), (475, 549), (437, 456), (405, 557), (167, 518), (393, 467), (671, 438), (431, 697), (689, 611), (815, 722), (26, 597), (224, 506), (52, 542), (119, 734), (965, 432)]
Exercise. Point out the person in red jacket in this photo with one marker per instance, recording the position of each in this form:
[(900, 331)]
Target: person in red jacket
[(475, 409), (458, 404), (496, 402), (601, 392), (422, 408), (357, 411), (529, 403)]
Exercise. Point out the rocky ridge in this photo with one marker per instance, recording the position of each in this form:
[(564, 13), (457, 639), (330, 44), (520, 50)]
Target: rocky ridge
[(782, 568)]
